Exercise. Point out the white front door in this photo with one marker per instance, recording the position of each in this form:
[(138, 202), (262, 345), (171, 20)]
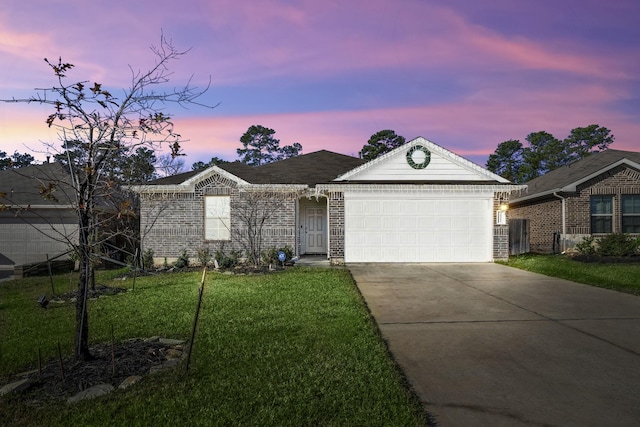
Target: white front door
[(315, 230)]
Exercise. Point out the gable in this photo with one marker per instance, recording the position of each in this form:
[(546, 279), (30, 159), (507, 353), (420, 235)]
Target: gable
[(420, 160)]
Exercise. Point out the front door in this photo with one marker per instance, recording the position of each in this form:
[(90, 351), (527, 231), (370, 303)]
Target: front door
[(315, 230)]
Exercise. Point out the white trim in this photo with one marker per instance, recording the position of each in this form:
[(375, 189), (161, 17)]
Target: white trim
[(434, 148), (419, 188), (187, 186)]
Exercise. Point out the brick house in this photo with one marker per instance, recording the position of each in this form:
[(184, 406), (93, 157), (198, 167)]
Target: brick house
[(417, 203), (593, 196), (33, 228)]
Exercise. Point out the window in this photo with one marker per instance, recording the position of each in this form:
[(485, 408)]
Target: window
[(631, 214), (601, 214), (217, 217)]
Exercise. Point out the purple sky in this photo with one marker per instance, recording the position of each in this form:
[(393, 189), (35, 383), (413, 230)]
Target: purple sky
[(328, 74)]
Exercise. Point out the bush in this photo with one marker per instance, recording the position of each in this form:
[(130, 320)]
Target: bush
[(183, 260), (270, 255), (227, 260), (611, 245), (586, 247), (147, 259), (617, 245), (204, 256)]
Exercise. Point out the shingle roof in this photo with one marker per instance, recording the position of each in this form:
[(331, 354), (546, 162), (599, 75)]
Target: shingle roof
[(564, 177), (310, 169), (23, 186), (314, 168)]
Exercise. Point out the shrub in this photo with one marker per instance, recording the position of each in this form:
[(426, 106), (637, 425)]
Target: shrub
[(147, 259), (618, 245), (586, 247), (183, 260), (270, 255), (227, 260), (204, 256)]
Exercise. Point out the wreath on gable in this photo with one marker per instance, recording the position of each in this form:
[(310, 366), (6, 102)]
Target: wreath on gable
[(424, 163)]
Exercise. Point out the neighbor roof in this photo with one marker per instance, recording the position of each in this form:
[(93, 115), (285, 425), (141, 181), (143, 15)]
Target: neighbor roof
[(566, 178), (23, 186)]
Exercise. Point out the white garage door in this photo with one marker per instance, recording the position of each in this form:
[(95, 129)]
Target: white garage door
[(424, 228)]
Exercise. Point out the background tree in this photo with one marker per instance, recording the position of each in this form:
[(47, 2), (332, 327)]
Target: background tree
[(168, 164), (381, 142), (17, 160), (507, 160), (260, 147), (584, 141), (124, 166), (102, 127), (202, 165), (543, 152)]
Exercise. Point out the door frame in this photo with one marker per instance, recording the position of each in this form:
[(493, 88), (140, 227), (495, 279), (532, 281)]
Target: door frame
[(303, 204)]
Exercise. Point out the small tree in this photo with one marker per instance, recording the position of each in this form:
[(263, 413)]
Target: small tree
[(381, 142), (103, 128), (253, 214)]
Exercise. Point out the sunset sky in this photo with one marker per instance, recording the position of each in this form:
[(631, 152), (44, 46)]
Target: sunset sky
[(328, 74)]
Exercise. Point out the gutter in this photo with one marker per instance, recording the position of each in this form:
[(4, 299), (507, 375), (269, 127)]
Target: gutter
[(564, 221)]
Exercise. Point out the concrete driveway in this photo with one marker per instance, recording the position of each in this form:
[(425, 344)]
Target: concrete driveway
[(489, 345)]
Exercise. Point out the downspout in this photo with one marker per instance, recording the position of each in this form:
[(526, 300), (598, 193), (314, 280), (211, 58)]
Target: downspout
[(564, 220)]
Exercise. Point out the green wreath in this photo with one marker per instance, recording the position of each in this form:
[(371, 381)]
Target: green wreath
[(425, 162)]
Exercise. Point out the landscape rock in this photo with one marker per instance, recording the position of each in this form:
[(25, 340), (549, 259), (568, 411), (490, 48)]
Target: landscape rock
[(16, 387), (169, 341), (91, 393), (129, 381)]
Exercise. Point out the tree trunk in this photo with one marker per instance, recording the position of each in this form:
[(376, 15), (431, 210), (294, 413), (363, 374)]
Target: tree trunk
[(82, 321)]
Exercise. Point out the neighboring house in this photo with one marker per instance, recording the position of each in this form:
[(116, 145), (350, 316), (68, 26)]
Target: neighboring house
[(33, 227), (594, 196), (417, 203)]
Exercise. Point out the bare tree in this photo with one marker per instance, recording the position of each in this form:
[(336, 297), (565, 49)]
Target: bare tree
[(104, 126), (253, 214)]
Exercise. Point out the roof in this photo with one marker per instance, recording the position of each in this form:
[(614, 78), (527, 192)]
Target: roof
[(308, 169), (23, 186), (314, 168), (567, 178)]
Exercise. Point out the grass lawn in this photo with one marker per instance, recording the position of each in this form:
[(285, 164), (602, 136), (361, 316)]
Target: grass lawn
[(291, 348), (620, 277)]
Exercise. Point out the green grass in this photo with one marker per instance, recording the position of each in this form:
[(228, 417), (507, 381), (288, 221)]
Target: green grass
[(620, 277), (293, 348)]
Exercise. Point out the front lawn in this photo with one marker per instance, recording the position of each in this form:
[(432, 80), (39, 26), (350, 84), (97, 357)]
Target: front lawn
[(621, 277), (290, 348)]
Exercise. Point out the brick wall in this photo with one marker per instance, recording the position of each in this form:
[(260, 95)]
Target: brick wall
[(336, 227), (545, 216), (500, 235), (172, 222)]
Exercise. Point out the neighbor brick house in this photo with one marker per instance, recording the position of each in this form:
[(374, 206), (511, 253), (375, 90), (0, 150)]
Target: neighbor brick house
[(417, 203), (33, 227), (594, 196)]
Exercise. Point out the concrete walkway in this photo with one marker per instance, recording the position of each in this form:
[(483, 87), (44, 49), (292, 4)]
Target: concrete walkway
[(489, 345)]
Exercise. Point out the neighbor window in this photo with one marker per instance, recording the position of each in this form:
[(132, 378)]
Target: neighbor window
[(601, 214), (631, 214), (217, 217)]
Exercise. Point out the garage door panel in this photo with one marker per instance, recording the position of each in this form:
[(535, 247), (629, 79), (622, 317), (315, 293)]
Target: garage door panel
[(383, 228)]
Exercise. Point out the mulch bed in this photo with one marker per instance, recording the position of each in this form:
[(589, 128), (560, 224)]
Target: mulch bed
[(51, 382), (108, 365)]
